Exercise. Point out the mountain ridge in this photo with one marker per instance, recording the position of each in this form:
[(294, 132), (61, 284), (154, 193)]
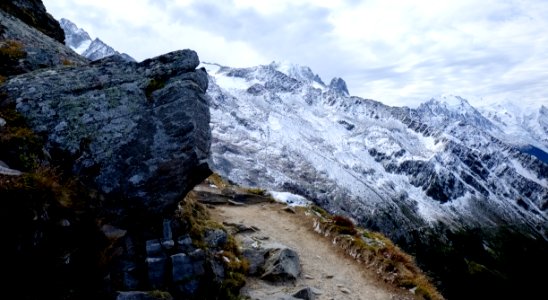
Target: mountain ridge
[(413, 174)]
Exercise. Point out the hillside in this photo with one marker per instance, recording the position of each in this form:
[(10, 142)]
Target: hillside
[(446, 183)]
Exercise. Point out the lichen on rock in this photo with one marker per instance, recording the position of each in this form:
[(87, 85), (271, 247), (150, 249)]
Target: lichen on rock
[(148, 147)]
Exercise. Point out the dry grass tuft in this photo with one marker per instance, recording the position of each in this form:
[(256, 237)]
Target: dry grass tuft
[(377, 252)]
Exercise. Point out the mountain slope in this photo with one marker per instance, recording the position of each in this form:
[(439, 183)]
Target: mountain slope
[(414, 174)]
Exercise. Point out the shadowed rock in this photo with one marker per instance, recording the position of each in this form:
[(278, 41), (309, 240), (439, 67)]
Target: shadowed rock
[(25, 49), (33, 13), (139, 132)]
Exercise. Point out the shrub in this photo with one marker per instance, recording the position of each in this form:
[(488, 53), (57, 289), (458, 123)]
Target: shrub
[(343, 225), (21, 147), (11, 50), (153, 85), (256, 191)]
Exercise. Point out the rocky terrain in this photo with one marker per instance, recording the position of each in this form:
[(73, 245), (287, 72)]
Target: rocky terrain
[(295, 250), (97, 163), (450, 185), (96, 159)]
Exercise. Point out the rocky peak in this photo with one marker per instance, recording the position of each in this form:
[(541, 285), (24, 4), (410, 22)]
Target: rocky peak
[(98, 49), (298, 72), (338, 85), (75, 37), (452, 108)]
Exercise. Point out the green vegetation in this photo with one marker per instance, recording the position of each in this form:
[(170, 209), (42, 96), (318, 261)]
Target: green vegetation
[(343, 225), (196, 219), (236, 269), (495, 263), (21, 148), (10, 53), (256, 191), (11, 50), (157, 294), (218, 181), (153, 85), (197, 222)]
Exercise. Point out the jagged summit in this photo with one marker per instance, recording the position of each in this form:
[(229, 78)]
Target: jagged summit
[(452, 108), (80, 41), (98, 49), (301, 73), (339, 85), (76, 38)]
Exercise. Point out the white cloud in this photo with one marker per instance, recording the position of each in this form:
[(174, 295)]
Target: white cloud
[(397, 52)]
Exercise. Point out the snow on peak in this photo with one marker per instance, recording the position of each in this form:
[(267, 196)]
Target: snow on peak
[(450, 102), (76, 38), (80, 41), (337, 84), (448, 109), (301, 73), (519, 125)]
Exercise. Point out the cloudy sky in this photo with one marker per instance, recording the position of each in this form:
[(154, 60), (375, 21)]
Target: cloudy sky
[(397, 52)]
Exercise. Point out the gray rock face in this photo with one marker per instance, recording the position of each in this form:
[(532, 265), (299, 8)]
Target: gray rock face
[(282, 264), (140, 131), (33, 13), (39, 50), (338, 85), (305, 293)]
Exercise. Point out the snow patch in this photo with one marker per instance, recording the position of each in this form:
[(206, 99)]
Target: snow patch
[(82, 47), (528, 174), (290, 199)]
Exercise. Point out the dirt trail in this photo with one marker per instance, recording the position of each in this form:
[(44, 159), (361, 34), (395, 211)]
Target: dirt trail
[(327, 270)]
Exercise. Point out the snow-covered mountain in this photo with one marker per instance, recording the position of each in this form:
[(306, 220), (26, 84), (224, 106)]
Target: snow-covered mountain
[(80, 41), (414, 174)]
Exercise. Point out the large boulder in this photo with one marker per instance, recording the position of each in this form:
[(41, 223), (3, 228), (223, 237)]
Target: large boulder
[(282, 264), (136, 131)]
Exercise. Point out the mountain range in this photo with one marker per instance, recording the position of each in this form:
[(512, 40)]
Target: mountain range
[(464, 189)]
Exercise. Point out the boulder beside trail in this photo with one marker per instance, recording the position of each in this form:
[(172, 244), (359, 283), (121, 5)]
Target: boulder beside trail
[(136, 131)]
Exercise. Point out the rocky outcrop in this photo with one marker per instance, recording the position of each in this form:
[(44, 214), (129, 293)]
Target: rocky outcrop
[(24, 48), (139, 131), (338, 85), (33, 13)]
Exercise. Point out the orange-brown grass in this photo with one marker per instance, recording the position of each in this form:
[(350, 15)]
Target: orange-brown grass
[(377, 252)]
